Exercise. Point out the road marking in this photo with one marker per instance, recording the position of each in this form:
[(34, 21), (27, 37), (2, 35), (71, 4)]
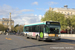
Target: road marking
[(68, 43), (8, 38)]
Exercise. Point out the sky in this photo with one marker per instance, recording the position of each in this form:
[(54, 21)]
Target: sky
[(30, 11)]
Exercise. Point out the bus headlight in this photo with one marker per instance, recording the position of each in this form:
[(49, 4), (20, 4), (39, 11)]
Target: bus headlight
[(59, 35), (45, 35)]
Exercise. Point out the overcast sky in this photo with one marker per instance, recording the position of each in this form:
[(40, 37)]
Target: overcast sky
[(30, 11)]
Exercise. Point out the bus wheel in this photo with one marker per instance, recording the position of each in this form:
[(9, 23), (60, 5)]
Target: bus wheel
[(26, 36), (38, 38), (59, 39)]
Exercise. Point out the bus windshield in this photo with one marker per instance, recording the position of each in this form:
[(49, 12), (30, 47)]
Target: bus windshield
[(52, 30)]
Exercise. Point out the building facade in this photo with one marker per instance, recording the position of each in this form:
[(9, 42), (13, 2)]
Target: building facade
[(65, 10), (5, 22)]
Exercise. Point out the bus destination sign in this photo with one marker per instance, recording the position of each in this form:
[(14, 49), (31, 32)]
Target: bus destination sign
[(52, 23)]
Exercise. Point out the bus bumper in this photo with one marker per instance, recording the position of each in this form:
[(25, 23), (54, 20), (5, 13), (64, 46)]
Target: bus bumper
[(52, 38)]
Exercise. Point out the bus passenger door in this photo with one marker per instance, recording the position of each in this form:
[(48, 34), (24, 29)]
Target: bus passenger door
[(41, 33)]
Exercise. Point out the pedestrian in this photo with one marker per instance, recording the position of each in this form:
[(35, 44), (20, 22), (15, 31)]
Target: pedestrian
[(7, 33)]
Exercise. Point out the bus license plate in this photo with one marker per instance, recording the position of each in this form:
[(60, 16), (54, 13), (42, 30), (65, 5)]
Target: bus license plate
[(51, 34)]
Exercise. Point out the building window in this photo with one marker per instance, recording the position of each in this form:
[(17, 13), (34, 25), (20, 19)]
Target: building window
[(3, 23), (7, 24), (11, 23), (68, 13), (62, 12)]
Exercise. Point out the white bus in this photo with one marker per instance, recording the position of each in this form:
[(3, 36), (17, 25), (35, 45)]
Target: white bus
[(48, 30)]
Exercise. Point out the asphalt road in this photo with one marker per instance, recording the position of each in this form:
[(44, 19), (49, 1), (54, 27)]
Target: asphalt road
[(13, 42)]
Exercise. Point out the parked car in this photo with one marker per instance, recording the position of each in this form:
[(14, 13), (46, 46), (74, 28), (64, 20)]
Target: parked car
[(63, 31)]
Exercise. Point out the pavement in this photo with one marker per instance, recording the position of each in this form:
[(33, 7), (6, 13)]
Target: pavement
[(13, 42), (71, 38)]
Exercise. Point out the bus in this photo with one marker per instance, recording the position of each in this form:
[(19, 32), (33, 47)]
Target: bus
[(47, 30)]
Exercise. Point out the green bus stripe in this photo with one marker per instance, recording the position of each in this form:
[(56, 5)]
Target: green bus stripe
[(36, 24)]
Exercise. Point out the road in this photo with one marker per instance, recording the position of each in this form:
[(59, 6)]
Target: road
[(13, 42)]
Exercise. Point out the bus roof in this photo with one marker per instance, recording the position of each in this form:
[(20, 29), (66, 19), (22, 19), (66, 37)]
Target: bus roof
[(40, 23)]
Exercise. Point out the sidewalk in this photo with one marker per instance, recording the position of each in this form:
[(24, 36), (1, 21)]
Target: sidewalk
[(71, 38)]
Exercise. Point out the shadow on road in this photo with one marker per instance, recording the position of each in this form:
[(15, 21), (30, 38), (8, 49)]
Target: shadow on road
[(43, 40), (32, 46), (67, 41), (62, 40)]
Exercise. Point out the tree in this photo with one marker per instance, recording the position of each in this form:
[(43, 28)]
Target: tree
[(17, 25), (2, 28), (16, 28), (12, 28), (72, 20), (55, 16), (19, 28)]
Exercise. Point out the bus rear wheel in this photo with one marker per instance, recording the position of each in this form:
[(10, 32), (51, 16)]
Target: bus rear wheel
[(26, 36)]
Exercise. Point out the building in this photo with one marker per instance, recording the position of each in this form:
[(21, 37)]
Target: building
[(5, 22), (65, 10)]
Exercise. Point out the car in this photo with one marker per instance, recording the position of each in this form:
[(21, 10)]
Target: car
[(63, 31)]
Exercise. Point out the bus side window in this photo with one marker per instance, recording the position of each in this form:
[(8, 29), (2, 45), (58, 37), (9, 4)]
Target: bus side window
[(26, 29), (37, 28), (23, 29), (30, 29), (33, 28), (41, 28), (47, 29)]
